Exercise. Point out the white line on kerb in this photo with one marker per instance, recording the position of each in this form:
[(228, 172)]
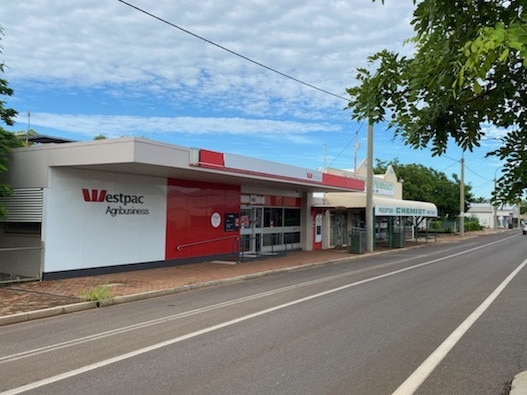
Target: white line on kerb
[(415, 380), (132, 354)]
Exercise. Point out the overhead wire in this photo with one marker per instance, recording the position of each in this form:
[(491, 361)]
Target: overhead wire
[(468, 168), (346, 146), (163, 20)]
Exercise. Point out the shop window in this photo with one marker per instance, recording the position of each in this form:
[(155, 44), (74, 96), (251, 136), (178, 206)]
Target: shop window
[(291, 217), (272, 239), (273, 217), (291, 237)]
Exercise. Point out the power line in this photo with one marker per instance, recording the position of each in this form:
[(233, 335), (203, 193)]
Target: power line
[(469, 169), (231, 51), (347, 145), (477, 175)]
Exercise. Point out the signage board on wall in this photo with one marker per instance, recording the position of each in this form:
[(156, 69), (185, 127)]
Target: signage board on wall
[(117, 203), (383, 188), (98, 219), (388, 211), (232, 222)]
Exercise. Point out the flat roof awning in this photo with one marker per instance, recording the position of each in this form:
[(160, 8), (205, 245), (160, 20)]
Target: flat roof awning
[(404, 208), (384, 207), (149, 158)]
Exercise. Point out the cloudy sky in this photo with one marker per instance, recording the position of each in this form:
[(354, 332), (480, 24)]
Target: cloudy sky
[(261, 78)]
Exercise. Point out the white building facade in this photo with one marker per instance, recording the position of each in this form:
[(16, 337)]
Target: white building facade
[(83, 208)]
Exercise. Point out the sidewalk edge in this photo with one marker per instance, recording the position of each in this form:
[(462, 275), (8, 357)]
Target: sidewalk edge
[(75, 307)]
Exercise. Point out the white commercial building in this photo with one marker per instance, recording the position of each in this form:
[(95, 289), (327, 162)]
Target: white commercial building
[(121, 204)]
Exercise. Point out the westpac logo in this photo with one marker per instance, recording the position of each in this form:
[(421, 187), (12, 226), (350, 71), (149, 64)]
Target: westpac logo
[(103, 195), (123, 200), (94, 196)]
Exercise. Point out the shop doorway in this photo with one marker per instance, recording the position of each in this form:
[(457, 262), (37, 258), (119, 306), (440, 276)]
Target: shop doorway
[(338, 227), (251, 229)]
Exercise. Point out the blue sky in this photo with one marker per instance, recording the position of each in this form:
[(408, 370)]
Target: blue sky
[(83, 68)]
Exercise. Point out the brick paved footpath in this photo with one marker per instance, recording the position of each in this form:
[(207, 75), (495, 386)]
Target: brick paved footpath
[(32, 296)]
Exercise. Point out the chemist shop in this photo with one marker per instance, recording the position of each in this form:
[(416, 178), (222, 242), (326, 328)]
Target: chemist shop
[(395, 220), (82, 208)]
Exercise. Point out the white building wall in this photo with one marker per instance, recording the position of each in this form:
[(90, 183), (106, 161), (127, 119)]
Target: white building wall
[(78, 234), (494, 218)]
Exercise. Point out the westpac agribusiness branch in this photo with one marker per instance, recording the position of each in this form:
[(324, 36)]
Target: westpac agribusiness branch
[(121, 204)]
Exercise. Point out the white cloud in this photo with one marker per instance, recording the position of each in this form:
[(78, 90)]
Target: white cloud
[(92, 125), (86, 43)]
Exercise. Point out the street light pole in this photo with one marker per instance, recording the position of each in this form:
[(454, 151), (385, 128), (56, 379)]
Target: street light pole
[(462, 198), (369, 190), (494, 206)]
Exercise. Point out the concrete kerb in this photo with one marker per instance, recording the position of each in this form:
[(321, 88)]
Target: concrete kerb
[(44, 313), (518, 386), (75, 307)]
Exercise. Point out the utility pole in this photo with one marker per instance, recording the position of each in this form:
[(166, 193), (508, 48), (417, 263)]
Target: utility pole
[(28, 127), (462, 198), (369, 190), (355, 155), (494, 206), (325, 168)]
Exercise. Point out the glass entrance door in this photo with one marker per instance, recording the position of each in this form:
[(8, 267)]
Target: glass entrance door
[(251, 229), (338, 226)]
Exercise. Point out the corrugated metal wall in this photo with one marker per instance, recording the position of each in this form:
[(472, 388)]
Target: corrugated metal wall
[(24, 205)]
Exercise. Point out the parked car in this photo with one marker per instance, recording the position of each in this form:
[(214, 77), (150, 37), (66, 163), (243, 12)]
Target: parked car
[(524, 229)]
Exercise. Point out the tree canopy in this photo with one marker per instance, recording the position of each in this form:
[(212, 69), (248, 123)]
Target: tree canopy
[(467, 71), (425, 184), (7, 139)]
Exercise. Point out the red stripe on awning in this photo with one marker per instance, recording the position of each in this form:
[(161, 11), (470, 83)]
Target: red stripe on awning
[(211, 158), (344, 182)]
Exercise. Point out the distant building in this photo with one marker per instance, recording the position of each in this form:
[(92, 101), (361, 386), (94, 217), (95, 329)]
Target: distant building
[(504, 216)]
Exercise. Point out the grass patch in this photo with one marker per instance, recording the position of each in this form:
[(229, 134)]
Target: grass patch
[(100, 292)]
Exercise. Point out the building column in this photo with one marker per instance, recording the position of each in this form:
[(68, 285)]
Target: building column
[(306, 221)]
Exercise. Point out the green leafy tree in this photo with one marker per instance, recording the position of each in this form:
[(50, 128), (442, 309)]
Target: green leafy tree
[(7, 139), (428, 185), (523, 207), (467, 70), (481, 199), (25, 135)]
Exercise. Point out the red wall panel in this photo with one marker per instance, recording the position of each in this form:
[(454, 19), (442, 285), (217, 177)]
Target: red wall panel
[(211, 158), (190, 207), (282, 201), (274, 201), (289, 201)]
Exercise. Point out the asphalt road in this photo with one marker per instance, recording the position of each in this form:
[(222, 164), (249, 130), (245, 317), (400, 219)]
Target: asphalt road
[(443, 319)]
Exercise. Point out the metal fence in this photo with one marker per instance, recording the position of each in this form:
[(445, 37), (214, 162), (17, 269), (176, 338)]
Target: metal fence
[(19, 264), (247, 248), (251, 247)]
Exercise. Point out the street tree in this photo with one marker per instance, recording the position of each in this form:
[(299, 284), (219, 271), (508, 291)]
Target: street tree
[(7, 139), (425, 184), (467, 71), (25, 135)]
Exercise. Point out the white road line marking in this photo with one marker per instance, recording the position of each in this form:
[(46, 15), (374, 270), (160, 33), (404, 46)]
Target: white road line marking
[(132, 354), (145, 324), (417, 378)]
